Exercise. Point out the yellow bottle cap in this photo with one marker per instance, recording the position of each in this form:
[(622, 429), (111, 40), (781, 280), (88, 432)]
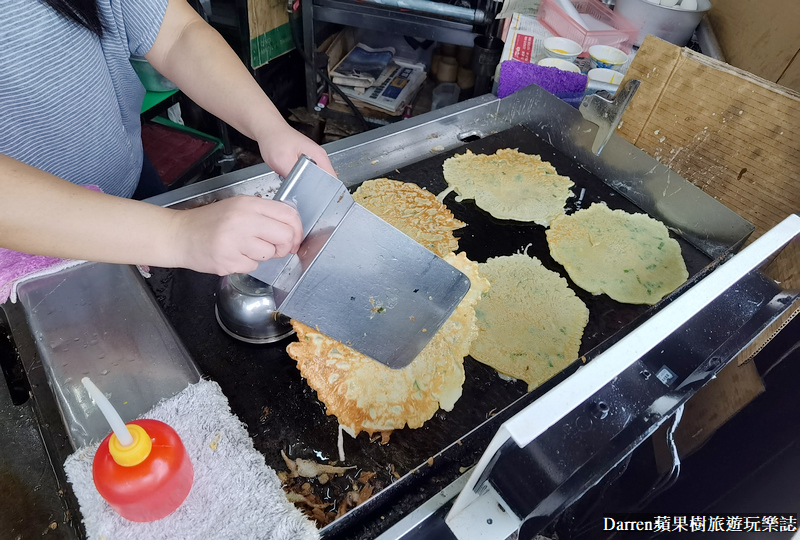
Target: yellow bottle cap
[(134, 453)]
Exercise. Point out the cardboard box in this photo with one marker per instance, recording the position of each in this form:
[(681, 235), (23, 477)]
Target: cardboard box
[(760, 37), (736, 136), (270, 34)]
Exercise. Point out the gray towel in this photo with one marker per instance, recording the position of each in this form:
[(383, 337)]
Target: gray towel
[(235, 495)]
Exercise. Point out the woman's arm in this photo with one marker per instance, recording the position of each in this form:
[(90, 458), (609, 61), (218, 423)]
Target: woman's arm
[(45, 215), (193, 55)]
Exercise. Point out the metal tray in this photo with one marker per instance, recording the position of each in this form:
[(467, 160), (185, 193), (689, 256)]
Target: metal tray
[(282, 413)]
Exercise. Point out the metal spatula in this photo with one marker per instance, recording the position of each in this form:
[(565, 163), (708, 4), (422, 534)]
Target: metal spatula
[(356, 278)]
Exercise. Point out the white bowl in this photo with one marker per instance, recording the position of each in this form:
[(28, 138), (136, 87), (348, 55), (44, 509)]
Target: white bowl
[(603, 56), (560, 64), (605, 75), (558, 47)]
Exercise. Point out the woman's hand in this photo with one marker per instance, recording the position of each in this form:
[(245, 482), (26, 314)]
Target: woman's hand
[(233, 235), (45, 215), (282, 146)]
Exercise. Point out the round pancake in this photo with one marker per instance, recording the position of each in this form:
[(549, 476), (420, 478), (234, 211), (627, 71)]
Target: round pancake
[(530, 323), (413, 210), (365, 395), (509, 185), (629, 257)]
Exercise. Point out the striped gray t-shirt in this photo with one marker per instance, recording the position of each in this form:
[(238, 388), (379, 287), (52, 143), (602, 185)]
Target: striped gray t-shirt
[(70, 102)]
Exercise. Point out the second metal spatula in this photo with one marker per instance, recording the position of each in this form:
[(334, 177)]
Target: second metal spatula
[(356, 278)]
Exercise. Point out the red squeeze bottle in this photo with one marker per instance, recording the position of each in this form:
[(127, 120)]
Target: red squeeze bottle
[(146, 479)]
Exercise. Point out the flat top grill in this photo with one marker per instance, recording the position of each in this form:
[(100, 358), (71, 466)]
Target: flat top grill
[(266, 391)]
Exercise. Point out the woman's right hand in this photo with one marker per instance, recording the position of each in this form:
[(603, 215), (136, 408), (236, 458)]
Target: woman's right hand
[(233, 235)]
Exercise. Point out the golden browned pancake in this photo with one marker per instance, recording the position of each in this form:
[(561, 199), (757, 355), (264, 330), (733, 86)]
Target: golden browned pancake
[(413, 210), (629, 257), (530, 323), (509, 185), (365, 395)]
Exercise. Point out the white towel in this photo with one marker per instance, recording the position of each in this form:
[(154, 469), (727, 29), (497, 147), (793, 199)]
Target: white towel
[(235, 495)]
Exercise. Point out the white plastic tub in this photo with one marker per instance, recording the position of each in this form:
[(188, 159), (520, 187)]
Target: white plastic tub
[(671, 24)]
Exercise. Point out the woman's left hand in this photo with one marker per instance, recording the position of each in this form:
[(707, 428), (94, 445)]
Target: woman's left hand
[(282, 148)]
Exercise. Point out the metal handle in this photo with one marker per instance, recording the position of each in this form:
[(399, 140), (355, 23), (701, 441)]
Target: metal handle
[(311, 191), (607, 113)]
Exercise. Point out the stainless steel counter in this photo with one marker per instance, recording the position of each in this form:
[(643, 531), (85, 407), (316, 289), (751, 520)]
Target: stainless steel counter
[(103, 321), (100, 320)]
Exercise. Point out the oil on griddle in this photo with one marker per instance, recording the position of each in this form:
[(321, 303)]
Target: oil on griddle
[(282, 414)]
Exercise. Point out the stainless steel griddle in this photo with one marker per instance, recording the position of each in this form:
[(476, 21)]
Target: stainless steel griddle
[(282, 412)]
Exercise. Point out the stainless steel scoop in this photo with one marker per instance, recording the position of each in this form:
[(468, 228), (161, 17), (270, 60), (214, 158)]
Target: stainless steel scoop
[(356, 278)]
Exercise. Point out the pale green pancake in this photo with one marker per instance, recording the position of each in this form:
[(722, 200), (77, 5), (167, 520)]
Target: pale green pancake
[(629, 257), (509, 185), (530, 323)]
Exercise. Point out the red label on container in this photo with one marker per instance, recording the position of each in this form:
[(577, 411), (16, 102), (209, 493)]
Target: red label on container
[(523, 48)]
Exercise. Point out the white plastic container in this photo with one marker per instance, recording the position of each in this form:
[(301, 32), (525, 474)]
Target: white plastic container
[(605, 75), (603, 56), (445, 94), (563, 65), (566, 49)]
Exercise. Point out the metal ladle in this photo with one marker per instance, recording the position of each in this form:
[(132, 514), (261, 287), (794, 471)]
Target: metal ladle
[(246, 310)]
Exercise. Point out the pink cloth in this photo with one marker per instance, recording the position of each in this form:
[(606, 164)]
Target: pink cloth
[(16, 266)]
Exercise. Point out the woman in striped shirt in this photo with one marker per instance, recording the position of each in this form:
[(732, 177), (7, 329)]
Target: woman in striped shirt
[(69, 114)]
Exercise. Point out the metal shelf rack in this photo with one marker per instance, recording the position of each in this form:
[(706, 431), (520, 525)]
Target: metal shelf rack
[(383, 19)]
